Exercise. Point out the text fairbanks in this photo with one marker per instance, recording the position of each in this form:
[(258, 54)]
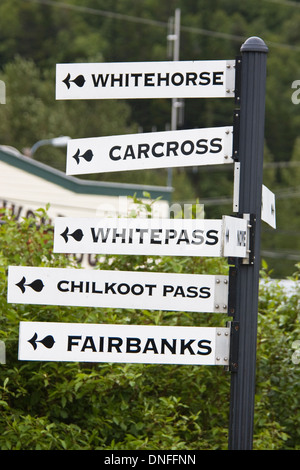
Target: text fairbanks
[(137, 345)]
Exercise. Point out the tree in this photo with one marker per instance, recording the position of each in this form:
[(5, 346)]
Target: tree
[(32, 114)]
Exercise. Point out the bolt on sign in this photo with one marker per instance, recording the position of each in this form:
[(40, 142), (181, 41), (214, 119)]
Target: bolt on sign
[(126, 80), (120, 289), (42, 341), (193, 147)]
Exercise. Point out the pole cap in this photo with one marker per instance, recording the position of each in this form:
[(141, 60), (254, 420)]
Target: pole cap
[(254, 44)]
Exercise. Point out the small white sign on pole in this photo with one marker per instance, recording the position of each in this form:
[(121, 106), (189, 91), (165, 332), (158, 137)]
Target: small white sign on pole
[(126, 80), (85, 342), (194, 147), (268, 208), (235, 237), (120, 289)]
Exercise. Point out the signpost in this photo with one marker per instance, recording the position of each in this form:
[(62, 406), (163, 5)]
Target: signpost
[(160, 237), (193, 147), (126, 80), (251, 149), (237, 238), (123, 343), (126, 289)]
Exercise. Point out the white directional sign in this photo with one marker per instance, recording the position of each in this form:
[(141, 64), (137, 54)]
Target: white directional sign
[(125, 289), (175, 79), (123, 343), (140, 236), (194, 147)]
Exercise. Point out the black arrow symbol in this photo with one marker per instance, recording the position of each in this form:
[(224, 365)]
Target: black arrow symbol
[(77, 235), (79, 80), (48, 341), (36, 285), (88, 155)]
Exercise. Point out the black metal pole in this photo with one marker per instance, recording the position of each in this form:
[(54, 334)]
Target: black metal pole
[(251, 147)]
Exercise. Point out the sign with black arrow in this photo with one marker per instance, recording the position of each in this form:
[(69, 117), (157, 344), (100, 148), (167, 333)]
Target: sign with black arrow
[(122, 289), (138, 236), (85, 342), (193, 147), (156, 236), (126, 80)]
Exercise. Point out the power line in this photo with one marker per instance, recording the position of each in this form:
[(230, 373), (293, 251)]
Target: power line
[(286, 3), (295, 255), (162, 24), (95, 11), (289, 164)]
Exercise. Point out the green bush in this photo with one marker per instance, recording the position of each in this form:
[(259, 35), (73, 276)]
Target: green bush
[(278, 381), (77, 406)]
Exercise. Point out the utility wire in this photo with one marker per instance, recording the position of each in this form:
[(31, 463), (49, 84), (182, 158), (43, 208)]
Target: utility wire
[(285, 3), (96, 11), (286, 255), (162, 24)]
